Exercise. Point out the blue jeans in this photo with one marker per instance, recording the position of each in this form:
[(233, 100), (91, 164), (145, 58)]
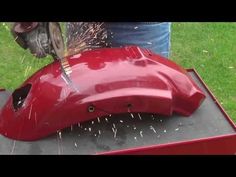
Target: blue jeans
[(152, 35)]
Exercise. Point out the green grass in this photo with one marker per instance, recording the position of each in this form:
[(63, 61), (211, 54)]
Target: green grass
[(210, 48), (16, 64)]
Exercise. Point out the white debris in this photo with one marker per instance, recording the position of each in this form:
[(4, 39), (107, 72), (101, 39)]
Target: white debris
[(152, 128), (89, 129), (19, 102), (59, 134), (98, 120), (176, 129), (114, 131), (85, 129), (161, 120), (92, 122), (141, 133), (134, 127), (106, 119), (132, 115), (135, 138), (114, 125), (127, 126), (99, 132), (139, 116), (164, 131), (136, 27), (13, 147), (121, 121), (150, 43), (76, 144), (153, 118)]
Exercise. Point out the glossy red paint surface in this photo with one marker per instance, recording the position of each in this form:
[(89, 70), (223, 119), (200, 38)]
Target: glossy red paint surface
[(98, 83)]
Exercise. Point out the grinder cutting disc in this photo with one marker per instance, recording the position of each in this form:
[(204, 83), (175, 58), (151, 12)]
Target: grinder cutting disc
[(57, 41), (42, 40)]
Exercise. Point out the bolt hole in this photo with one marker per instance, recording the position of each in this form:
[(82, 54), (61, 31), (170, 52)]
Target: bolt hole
[(129, 105), (91, 108)]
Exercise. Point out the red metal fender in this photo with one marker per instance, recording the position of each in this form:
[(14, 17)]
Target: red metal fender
[(94, 84)]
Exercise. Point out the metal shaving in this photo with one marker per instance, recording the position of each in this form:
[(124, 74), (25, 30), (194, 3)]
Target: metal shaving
[(139, 116), (152, 128), (76, 144), (141, 133)]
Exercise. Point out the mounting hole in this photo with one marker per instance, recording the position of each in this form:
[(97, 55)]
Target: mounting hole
[(129, 105), (91, 108), (19, 96)]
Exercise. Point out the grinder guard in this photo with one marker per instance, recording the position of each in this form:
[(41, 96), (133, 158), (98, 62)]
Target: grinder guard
[(94, 84)]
